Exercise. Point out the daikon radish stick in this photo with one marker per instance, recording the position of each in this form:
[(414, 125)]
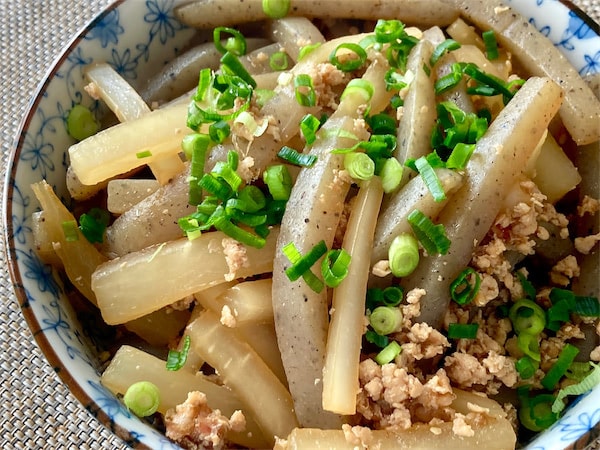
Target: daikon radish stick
[(122, 194), (262, 338), (151, 221), (160, 328), (42, 240), (419, 111), (293, 33), (213, 13), (80, 258), (249, 301), (494, 434), (141, 282), (130, 365), (393, 220), (340, 374), (115, 150), (499, 158), (580, 111), (312, 214), (246, 374)]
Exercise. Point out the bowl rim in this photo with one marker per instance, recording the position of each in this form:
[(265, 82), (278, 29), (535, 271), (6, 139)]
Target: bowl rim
[(33, 324)]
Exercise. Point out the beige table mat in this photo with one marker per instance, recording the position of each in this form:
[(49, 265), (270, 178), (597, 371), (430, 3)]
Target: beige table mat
[(37, 410)]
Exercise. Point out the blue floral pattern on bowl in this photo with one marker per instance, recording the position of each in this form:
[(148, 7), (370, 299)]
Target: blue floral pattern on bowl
[(150, 36)]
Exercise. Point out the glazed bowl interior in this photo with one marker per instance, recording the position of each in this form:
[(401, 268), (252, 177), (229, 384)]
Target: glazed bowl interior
[(137, 38)]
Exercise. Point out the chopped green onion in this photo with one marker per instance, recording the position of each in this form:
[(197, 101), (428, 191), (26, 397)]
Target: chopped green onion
[(578, 370), (279, 61), (276, 9), (93, 224), (176, 359), (536, 413), (432, 237), (388, 354), (388, 30), (69, 228), (403, 255), (560, 367), (304, 263), (334, 267), (349, 63), (448, 81), (359, 166), (215, 186), (219, 131), (195, 146), (294, 157), (386, 319), (143, 154), (587, 306), (307, 49), (396, 101), (81, 123), (585, 385), (430, 179), (142, 398), (490, 80), (262, 96), (460, 156), (304, 90), (529, 344), (377, 339), (358, 86), (236, 44), (222, 223), (440, 50), (227, 173), (278, 181), (526, 367), (292, 253), (527, 317), (491, 45), (463, 330), (249, 200), (391, 175), (397, 81), (382, 123), (309, 125), (528, 288), (392, 295), (465, 286), (231, 65)]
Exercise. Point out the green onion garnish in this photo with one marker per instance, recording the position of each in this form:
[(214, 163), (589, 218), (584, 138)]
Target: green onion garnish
[(292, 253), (305, 262), (236, 44), (93, 224), (359, 166), (392, 295), (526, 367), (176, 359), (382, 123), (143, 154), (430, 179), (529, 344), (491, 45), (391, 175), (460, 156), (276, 9), (377, 339), (536, 413), (440, 50), (230, 64), (307, 49), (448, 81), (304, 90), (389, 31), (227, 173), (278, 181), (397, 81), (388, 354), (585, 385), (527, 317), (195, 146), (294, 157), (385, 319), (465, 286), (69, 228), (219, 131), (250, 199), (528, 288), (279, 61), (309, 125), (432, 237), (142, 398), (81, 123), (403, 255), (358, 86), (559, 368), (463, 330), (222, 223), (350, 62), (334, 267)]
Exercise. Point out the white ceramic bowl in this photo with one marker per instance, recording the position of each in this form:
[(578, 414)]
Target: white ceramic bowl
[(148, 37)]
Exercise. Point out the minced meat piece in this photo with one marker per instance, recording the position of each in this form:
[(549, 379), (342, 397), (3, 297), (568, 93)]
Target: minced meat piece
[(564, 270), (195, 426), (585, 244), (235, 256), (589, 205), (465, 370)]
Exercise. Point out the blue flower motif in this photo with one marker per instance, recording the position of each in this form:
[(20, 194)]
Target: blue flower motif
[(107, 30), (108, 402), (38, 271), (20, 227), (579, 28), (38, 153), (582, 424), (593, 64), (124, 64), (162, 22)]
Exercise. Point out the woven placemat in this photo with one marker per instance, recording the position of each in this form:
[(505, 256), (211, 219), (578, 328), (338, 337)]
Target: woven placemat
[(37, 409)]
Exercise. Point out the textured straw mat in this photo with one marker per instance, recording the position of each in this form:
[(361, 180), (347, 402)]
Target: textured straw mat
[(37, 410)]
